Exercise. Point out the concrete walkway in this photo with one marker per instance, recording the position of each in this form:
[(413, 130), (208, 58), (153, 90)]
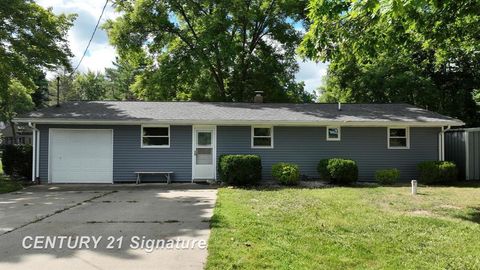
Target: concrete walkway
[(120, 218)]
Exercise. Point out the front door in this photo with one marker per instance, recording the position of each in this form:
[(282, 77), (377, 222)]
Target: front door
[(204, 152)]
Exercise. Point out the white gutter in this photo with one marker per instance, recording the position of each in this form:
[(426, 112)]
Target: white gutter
[(35, 152), (441, 143), (238, 122)]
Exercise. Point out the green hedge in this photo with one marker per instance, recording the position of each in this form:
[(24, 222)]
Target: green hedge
[(241, 170), (437, 172), (338, 170), (387, 176), (286, 173), (17, 160)]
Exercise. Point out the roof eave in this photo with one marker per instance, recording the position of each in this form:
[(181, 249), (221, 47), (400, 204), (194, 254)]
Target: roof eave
[(241, 122)]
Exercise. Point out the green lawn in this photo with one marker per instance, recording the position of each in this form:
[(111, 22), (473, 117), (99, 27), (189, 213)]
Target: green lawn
[(352, 228), (7, 185)]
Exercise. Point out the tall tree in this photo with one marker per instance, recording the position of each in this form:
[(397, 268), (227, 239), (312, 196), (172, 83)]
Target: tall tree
[(17, 99), (91, 85), (67, 87), (40, 95), (80, 86), (422, 52), (32, 39), (121, 78), (211, 49)]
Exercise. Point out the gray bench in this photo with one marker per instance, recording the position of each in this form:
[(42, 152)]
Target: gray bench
[(166, 174)]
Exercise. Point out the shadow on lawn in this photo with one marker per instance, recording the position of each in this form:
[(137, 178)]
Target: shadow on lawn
[(273, 186), (473, 215)]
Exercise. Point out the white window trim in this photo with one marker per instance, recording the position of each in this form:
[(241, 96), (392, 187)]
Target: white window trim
[(339, 133), (271, 137), (407, 136), (154, 146)]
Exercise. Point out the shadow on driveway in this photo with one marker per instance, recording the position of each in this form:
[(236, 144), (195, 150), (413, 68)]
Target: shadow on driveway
[(116, 213)]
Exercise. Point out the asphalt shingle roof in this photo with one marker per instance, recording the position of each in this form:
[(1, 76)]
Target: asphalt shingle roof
[(236, 112)]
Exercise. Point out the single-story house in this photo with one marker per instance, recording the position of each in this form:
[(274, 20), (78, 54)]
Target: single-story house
[(23, 134), (108, 141)]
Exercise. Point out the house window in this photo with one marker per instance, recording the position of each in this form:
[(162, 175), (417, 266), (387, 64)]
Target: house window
[(262, 137), (155, 137), (333, 133), (398, 138)]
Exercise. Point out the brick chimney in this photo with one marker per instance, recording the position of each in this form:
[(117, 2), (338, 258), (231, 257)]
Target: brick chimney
[(258, 97)]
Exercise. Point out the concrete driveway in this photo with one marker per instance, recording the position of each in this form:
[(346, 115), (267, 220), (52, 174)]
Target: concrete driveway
[(133, 227)]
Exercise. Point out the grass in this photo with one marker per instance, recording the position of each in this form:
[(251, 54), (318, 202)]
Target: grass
[(346, 228), (7, 185)]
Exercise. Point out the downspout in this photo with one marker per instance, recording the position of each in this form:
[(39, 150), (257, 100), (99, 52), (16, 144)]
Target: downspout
[(442, 143), (35, 152)]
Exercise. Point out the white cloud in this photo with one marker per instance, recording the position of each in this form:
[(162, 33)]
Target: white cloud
[(311, 73), (100, 54)]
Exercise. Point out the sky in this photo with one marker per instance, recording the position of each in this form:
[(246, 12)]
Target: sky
[(101, 54)]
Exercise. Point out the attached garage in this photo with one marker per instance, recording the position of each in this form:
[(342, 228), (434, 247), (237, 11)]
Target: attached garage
[(72, 142), (81, 156)]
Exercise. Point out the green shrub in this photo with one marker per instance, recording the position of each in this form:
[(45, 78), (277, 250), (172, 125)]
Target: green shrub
[(241, 170), (437, 172), (338, 170), (286, 173), (323, 170), (8, 158), (387, 176), (17, 160)]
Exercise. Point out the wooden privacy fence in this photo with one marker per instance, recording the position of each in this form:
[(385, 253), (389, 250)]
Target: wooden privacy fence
[(462, 146)]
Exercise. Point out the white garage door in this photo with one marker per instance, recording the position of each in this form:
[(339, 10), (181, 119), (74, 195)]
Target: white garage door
[(81, 156)]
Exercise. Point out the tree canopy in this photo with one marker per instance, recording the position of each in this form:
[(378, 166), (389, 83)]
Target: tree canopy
[(211, 49), (424, 52), (82, 86), (17, 99), (33, 39), (122, 77), (91, 86)]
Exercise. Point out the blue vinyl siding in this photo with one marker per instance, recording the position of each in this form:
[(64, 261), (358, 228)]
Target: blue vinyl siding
[(128, 156), (302, 145), (305, 146)]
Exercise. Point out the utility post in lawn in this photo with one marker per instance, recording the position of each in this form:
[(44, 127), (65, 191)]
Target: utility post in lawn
[(414, 187)]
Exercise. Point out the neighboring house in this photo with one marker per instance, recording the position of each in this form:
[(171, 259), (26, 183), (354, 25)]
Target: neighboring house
[(23, 134), (105, 142)]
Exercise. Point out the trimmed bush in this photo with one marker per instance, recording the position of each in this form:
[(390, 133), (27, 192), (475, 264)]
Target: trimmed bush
[(240, 170), (286, 173), (387, 176), (17, 160), (437, 172), (8, 158), (323, 170), (338, 170)]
